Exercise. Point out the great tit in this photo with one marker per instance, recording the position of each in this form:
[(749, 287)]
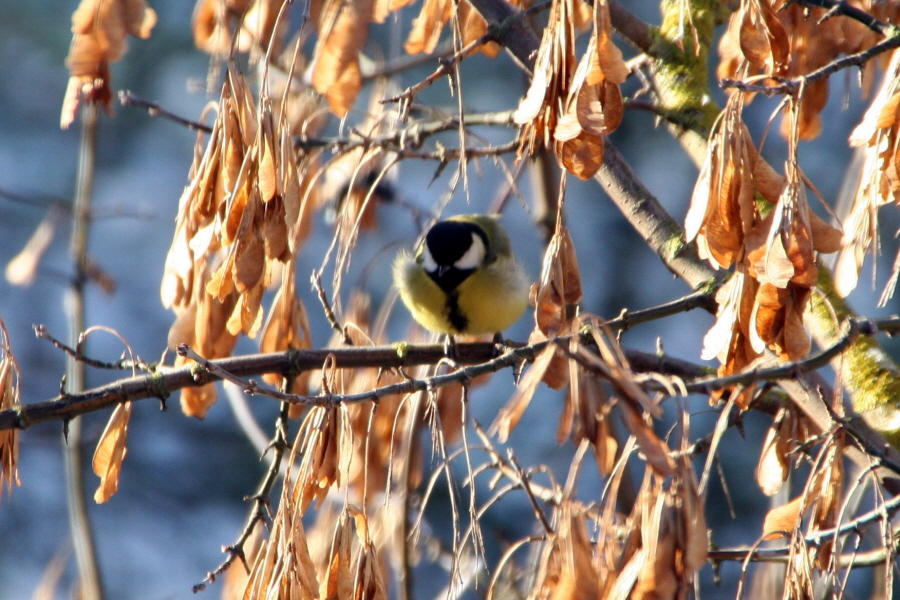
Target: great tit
[(463, 279)]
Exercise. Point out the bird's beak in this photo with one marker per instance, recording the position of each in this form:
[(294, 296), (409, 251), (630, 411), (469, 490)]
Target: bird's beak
[(442, 269)]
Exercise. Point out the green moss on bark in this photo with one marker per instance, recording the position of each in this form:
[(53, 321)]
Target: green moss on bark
[(869, 374)]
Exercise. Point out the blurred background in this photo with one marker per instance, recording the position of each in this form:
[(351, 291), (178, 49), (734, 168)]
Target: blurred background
[(181, 494)]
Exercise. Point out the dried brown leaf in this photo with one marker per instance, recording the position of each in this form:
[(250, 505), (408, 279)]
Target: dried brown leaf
[(773, 467), (654, 449), (22, 268), (427, 27), (559, 285), (9, 399), (110, 453), (610, 62), (100, 29), (781, 519), (509, 415), (196, 401), (582, 156), (336, 71)]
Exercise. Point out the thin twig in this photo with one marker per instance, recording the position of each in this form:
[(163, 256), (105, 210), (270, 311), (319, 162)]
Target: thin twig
[(123, 364), (259, 512), (839, 7), (82, 537), (792, 86), (127, 98)]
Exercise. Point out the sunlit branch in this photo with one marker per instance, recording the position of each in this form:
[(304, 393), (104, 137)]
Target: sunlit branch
[(661, 232), (632, 29), (164, 380), (479, 357)]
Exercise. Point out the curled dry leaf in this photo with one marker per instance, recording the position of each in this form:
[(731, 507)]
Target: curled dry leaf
[(22, 268), (586, 415), (242, 218), (253, 21), (509, 415), (287, 329), (9, 398), (673, 536), (427, 27), (100, 29), (633, 401), (722, 208), (782, 519), (323, 446), (344, 28), (566, 567), (110, 453), (538, 111), (354, 569), (775, 251), (559, 286)]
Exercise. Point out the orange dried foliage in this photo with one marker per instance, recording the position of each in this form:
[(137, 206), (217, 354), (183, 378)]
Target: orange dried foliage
[(287, 329), (100, 29), (782, 520), (354, 569), (427, 27), (242, 216), (569, 108), (566, 566), (22, 268), (323, 444), (637, 409), (762, 305), (879, 181), (376, 429), (510, 415), (782, 39), (9, 398), (653, 553), (673, 535), (216, 22), (343, 30), (591, 412), (559, 287), (788, 432), (282, 567), (110, 452)]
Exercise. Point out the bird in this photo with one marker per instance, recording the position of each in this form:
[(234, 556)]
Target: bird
[(463, 279)]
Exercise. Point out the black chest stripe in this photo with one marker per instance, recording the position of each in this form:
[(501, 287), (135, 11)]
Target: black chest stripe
[(451, 278), (454, 315)]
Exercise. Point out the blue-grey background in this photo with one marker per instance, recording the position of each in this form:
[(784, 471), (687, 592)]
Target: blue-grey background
[(181, 492)]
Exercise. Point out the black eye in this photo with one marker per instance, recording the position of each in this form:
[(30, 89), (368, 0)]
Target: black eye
[(449, 240)]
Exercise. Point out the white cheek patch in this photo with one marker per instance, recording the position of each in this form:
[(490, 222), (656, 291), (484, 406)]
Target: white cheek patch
[(473, 257), (428, 261)]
